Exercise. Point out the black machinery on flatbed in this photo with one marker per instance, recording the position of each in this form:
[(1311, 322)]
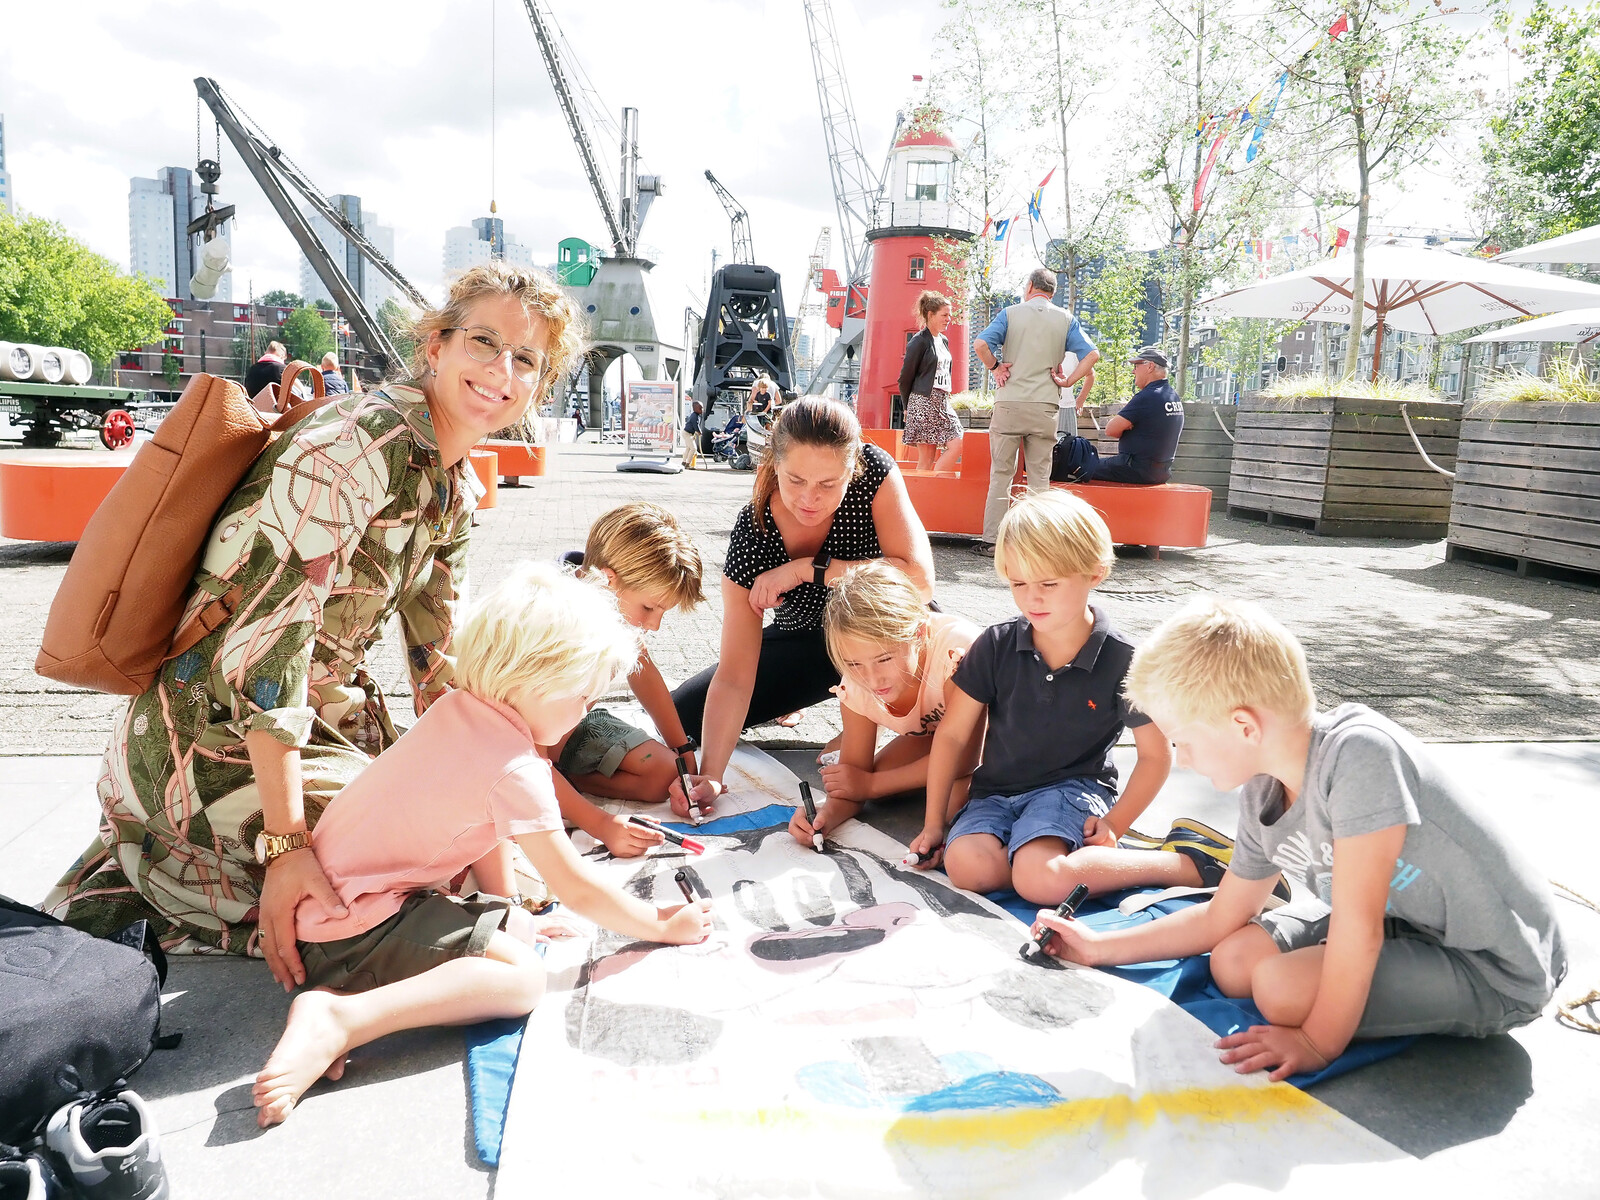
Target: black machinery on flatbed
[(47, 410)]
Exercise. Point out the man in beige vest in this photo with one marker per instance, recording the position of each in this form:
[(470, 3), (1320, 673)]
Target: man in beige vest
[(1024, 347)]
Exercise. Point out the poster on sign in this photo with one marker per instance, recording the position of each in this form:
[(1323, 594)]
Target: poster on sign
[(650, 410)]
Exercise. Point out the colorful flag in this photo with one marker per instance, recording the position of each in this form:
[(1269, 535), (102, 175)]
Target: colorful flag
[(1010, 225), (1035, 209), (1263, 119), (1205, 172), (1339, 240), (987, 221), (1339, 26), (1000, 228)]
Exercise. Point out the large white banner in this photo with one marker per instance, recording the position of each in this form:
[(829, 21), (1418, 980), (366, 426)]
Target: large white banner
[(650, 409)]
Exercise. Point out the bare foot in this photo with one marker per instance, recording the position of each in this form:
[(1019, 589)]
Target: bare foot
[(790, 721), (313, 1046)]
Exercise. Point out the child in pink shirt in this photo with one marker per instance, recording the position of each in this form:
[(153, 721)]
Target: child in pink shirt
[(451, 794), (895, 658)]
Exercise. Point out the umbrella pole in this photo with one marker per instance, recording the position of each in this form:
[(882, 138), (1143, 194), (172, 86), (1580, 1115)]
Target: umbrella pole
[(1377, 349)]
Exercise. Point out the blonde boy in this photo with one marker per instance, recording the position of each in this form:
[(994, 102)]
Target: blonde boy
[(452, 793), (1043, 813), (1420, 919), (651, 565)]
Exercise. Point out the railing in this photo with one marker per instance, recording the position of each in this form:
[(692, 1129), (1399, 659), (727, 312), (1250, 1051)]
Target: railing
[(928, 214)]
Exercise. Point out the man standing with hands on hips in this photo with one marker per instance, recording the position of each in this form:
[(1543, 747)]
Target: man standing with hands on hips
[(1024, 347)]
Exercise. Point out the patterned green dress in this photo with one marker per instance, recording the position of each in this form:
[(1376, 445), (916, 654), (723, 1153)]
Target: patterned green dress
[(342, 523)]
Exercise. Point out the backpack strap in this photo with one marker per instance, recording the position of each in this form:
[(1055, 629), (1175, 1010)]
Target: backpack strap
[(205, 622)]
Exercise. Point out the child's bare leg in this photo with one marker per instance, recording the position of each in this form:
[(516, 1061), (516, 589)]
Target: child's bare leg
[(1235, 958), (1284, 986), (1039, 871), (325, 1026), (977, 862), (949, 460), (645, 773)]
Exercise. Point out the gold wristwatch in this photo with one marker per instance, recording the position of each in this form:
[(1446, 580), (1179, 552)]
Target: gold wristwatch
[(270, 845)]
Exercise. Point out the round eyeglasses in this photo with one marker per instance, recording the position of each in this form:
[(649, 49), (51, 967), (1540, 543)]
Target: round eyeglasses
[(485, 345)]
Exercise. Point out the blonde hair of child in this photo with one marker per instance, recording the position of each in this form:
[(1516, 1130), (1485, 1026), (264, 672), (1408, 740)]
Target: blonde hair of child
[(649, 551), (1215, 656), (1052, 535), (545, 631), (873, 602)]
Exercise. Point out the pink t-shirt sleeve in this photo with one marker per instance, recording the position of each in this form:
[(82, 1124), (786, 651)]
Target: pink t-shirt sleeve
[(524, 800), (950, 636)]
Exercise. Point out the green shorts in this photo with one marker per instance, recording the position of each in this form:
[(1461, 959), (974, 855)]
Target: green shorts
[(598, 744), (430, 928)]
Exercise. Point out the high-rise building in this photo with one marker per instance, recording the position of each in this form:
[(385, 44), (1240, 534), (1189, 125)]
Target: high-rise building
[(6, 201), (465, 246), (370, 283), (159, 243)]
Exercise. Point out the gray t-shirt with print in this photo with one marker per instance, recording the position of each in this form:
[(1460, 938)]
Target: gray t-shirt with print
[(1457, 878)]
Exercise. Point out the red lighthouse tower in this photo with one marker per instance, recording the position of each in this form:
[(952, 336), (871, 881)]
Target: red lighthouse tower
[(916, 209)]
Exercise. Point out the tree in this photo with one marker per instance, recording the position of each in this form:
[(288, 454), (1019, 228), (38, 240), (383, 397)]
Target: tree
[(306, 335), (171, 369), (1392, 82), (1542, 153), (1117, 292), (281, 298), (54, 290), (1193, 122)]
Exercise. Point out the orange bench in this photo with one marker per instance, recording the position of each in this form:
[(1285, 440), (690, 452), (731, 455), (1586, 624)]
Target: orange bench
[(487, 465), (517, 459), (49, 495), (1164, 514)]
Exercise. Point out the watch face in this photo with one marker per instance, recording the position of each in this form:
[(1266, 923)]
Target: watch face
[(261, 848)]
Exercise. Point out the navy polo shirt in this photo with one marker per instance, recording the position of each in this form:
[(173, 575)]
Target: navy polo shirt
[(1045, 725), (1157, 416)]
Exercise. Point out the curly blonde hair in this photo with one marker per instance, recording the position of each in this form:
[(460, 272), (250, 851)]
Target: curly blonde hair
[(535, 290)]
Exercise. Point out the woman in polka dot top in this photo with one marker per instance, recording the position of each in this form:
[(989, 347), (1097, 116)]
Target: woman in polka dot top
[(823, 502)]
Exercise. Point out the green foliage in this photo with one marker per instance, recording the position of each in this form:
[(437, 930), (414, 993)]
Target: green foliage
[(54, 290), (171, 371), (1117, 292), (1242, 345), (306, 335), (1542, 153), (396, 322), (1566, 381), (282, 298)]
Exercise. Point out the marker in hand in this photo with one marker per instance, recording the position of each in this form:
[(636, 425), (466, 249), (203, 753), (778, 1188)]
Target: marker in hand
[(917, 857), (811, 814), (681, 877), (688, 801), (672, 835), (1065, 909)]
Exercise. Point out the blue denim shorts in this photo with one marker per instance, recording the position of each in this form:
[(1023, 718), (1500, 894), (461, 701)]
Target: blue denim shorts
[(1058, 810)]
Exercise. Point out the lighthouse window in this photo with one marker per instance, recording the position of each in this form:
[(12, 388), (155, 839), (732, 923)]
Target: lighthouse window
[(927, 180), (919, 268)]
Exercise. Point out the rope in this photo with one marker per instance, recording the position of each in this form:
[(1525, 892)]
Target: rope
[(1216, 412), (1577, 1014), (1417, 442)]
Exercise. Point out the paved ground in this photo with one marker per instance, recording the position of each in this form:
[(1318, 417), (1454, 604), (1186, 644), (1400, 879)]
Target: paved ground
[(1502, 671)]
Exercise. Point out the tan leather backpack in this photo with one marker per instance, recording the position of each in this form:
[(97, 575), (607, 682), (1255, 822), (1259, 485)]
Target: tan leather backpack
[(114, 618)]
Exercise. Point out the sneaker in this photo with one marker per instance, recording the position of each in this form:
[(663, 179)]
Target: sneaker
[(1208, 850), (28, 1177), (108, 1148), (984, 548)]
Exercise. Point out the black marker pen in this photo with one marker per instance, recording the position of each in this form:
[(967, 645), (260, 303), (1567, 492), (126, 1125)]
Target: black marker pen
[(811, 814), (1065, 909), (682, 878)]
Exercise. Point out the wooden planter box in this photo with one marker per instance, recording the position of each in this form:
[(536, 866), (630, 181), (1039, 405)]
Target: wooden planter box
[(1205, 451), (1343, 467), (1527, 493), (974, 420)]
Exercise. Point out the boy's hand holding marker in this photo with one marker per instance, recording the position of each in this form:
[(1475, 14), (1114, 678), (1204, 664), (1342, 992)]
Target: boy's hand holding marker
[(692, 795), (671, 835), (927, 849), (1051, 928), (811, 816), (690, 924)]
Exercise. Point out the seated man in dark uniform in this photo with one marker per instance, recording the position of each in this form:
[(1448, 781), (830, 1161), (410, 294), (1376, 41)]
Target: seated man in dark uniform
[(1147, 431)]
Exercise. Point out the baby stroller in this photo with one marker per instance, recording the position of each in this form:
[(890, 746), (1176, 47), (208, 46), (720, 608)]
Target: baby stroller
[(730, 445)]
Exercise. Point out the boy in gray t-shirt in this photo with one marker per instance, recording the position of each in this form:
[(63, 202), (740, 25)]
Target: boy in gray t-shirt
[(1421, 919)]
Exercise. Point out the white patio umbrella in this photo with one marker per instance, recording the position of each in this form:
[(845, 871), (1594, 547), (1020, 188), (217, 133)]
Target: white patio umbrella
[(1581, 246), (1409, 288), (1580, 325)]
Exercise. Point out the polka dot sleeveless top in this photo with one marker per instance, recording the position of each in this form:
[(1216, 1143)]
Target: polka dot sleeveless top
[(851, 538)]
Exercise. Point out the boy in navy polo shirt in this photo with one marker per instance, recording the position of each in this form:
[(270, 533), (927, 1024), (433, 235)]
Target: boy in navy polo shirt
[(1147, 432), (1044, 815)]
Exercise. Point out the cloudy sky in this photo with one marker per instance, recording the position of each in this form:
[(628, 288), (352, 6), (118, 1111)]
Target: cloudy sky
[(390, 100)]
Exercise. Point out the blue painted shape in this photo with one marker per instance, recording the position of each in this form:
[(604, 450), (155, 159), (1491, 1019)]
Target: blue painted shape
[(492, 1050), (979, 1084), (762, 818), (993, 1089), (1187, 982)]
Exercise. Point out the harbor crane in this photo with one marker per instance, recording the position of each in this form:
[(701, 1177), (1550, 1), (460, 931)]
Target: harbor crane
[(276, 174), (743, 248)]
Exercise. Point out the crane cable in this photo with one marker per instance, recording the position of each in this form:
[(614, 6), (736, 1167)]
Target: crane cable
[(494, 46)]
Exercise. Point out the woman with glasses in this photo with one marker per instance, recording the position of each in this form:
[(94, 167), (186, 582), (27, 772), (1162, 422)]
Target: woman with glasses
[(360, 513)]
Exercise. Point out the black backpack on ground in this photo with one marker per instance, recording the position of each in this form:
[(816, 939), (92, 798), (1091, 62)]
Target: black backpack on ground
[(78, 1013)]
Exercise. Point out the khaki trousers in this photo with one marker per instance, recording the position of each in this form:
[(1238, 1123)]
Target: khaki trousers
[(1030, 427)]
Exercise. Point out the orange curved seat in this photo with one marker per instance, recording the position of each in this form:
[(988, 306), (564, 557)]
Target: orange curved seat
[(49, 495), (487, 464), (517, 459)]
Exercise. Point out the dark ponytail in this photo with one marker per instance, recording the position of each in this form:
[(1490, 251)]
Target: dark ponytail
[(811, 421)]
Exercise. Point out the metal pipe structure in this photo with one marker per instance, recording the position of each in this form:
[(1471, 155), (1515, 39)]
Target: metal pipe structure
[(744, 250)]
